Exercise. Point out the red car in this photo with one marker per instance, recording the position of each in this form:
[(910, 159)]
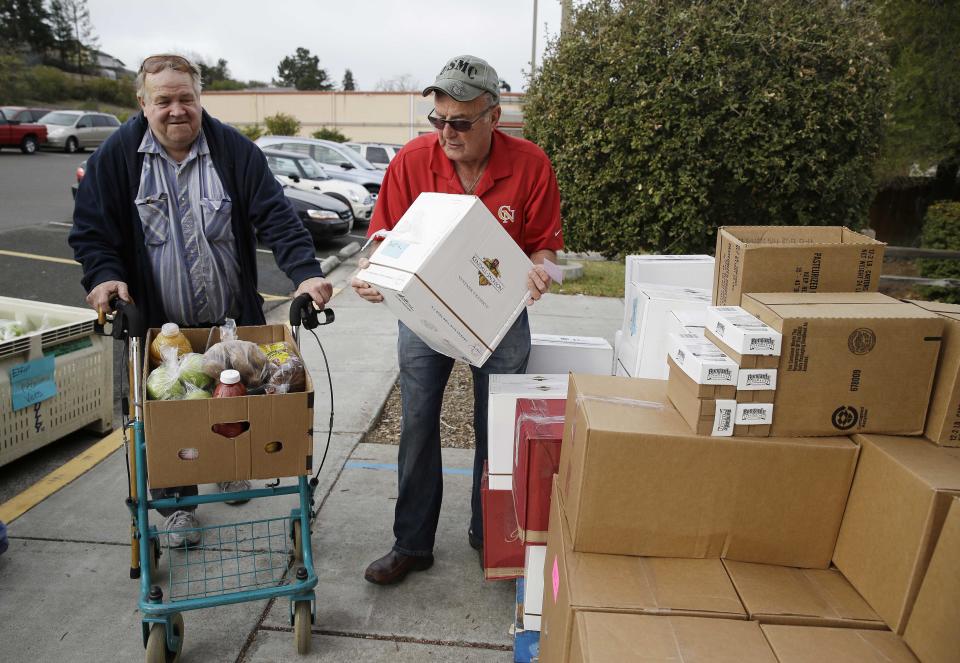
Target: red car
[(28, 137)]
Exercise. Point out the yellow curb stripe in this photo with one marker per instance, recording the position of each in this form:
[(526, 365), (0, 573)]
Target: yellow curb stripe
[(273, 298), (34, 256), (60, 477)]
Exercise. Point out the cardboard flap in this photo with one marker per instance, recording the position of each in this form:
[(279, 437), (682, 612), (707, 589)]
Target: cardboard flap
[(804, 644)]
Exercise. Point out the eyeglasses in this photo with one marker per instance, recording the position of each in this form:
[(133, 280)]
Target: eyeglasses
[(157, 63), (458, 125)]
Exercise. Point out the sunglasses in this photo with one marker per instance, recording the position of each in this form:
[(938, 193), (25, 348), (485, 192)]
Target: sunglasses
[(459, 125), (157, 63)]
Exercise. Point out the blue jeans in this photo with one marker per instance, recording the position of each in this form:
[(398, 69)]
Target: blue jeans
[(423, 377)]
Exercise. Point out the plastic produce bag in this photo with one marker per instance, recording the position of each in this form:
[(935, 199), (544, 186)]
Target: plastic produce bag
[(245, 357), (163, 382), (290, 374)]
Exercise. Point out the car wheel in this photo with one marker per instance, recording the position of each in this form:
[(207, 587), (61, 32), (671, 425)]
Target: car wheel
[(29, 145), (72, 145)]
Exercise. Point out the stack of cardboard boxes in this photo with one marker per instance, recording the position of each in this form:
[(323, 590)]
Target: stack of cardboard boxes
[(780, 539)]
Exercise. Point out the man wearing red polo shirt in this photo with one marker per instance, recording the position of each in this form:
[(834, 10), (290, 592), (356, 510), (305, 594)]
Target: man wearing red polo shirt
[(514, 179)]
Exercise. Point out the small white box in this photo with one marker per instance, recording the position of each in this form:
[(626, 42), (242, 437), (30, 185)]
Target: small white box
[(533, 587), (754, 414), (644, 346), (503, 392), (452, 274), (691, 271), (743, 332), (704, 362), (724, 418), (569, 354), (686, 322), (757, 379)]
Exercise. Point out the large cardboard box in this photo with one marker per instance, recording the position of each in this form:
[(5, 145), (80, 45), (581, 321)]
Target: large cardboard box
[(851, 362), (802, 597), (533, 586), (550, 353), (586, 582), (182, 448), (452, 274), (503, 392), (536, 459), (897, 506), (605, 637), (933, 631), (943, 419), (793, 259), (805, 644), (637, 481), (502, 547), (643, 348), (689, 271)]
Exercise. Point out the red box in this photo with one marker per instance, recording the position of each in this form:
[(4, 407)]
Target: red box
[(539, 431), (502, 548)]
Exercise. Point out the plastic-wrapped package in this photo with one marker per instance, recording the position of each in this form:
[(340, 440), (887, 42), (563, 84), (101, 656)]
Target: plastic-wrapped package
[(290, 374), (177, 378), (244, 357)]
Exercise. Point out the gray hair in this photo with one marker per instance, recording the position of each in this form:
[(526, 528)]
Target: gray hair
[(159, 63)]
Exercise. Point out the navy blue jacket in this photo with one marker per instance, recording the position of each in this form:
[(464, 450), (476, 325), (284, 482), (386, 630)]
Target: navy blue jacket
[(107, 235)]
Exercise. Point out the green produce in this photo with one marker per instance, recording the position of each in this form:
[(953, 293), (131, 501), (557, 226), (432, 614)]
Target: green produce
[(163, 384), (191, 371)]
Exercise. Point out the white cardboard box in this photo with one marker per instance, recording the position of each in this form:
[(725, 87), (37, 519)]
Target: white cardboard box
[(644, 347), (452, 274), (693, 271), (757, 379), (503, 392), (533, 587), (704, 362), (686, 322), (754, 414), (569, 354), (620, 371), (743, 332)]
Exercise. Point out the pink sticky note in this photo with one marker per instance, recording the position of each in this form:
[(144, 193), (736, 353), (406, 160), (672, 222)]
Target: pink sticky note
[(553, 271), (556, 579)]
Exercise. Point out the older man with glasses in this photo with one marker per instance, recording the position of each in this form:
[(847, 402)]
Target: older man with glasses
[(466, 155), (168, 215)]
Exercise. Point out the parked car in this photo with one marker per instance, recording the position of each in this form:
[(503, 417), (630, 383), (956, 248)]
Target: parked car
[(22, 114), (322, 215), (28, 137), (73, 131), (379, 154), (302, 172), (340, 162)]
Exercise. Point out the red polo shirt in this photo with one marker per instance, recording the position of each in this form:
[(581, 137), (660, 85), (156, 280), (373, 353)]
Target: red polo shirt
[(518, 187)]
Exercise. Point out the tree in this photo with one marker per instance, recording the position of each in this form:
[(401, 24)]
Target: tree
[(76, 40), (282, 124), (401, 83), (303, 71), (325, 133), (23, 24), (213, 73), (348, 82), (923, 41), (668, 118)]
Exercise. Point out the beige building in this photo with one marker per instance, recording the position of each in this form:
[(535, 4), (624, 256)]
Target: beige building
[(386, 117)]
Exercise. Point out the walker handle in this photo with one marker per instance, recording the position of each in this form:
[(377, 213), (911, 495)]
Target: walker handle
[(303, 312)]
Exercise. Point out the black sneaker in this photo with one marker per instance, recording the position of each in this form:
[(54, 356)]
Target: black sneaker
[(476, 542)]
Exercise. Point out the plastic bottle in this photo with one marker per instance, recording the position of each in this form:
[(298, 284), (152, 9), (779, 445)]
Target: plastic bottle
[(169, 336), (229, 386)]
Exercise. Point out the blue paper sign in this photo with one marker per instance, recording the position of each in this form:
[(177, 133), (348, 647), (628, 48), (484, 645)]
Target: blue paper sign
[(32, 382)]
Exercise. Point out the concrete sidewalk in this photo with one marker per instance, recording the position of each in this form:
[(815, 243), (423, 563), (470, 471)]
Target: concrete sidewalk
[(64, 591)]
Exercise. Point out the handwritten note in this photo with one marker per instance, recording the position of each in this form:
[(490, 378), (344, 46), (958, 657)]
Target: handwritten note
[(32, 382)]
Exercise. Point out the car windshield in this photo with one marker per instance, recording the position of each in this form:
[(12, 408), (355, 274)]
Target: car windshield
[(312, 170), (349, 155), (64, 119)]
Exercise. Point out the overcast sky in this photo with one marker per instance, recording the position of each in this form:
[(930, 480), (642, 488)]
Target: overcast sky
[(375, 39)]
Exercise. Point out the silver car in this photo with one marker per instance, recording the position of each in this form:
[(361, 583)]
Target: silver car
[(379, 154), (338, 161), (73, 131)]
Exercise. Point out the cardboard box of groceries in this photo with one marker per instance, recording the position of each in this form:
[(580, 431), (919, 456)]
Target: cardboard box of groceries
[(793, 259), (898, 502), (807, 644), (587, 582), (182, 448), (802, 597), (851, 362), (600, 637), (943, 419), (637, 481), (452, 274), (933, 630)]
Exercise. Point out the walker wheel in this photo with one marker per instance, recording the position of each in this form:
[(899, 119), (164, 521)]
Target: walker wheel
[(157, 651), (301, 626), (297, 541)]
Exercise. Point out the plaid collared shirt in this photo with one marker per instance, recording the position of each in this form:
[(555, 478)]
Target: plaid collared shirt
[(185, 214)]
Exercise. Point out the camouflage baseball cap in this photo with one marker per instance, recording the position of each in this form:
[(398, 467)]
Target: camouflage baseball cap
[(465, 78)]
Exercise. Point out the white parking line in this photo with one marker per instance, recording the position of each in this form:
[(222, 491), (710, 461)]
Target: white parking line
[(59, 223)]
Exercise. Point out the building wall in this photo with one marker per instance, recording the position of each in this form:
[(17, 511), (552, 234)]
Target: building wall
[(388, 117)]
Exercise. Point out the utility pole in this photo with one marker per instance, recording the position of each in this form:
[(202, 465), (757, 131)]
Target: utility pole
[(533, 48), (566, 7)]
